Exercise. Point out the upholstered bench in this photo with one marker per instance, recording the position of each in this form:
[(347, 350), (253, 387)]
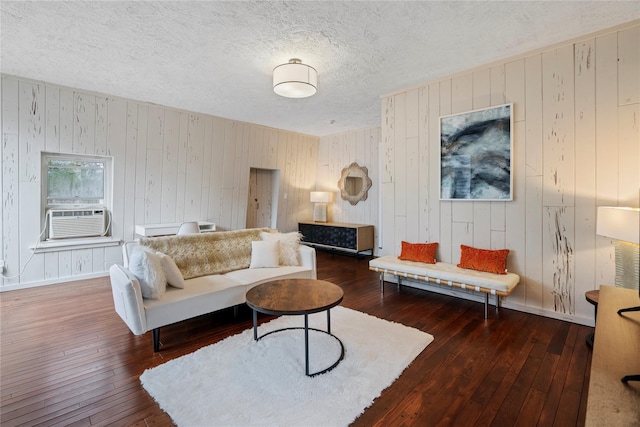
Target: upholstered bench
[(448, 275)]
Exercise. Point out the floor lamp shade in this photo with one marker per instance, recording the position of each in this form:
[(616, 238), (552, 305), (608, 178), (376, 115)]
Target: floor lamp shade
[(623, 225), (320, 200)]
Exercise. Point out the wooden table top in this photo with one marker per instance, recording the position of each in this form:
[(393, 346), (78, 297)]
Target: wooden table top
[(592, 296), (294, 296), (616, 353)]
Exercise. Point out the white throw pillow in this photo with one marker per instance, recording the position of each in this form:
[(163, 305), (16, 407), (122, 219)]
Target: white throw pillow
[(147, 267), (171, 271), (264, 254), (288, 250)]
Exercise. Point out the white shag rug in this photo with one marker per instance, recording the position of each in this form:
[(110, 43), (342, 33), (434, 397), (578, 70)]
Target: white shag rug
[(241, 382)]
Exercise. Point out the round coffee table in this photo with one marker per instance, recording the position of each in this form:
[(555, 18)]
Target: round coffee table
[(291, 297)]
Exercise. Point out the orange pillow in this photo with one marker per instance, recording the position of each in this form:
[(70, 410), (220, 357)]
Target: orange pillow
[(484, 259), (421, 252)]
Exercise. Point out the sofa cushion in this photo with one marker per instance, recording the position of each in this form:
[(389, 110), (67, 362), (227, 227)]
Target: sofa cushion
[(203, 254), (147, 267), (200, 295), (171, 271), (256, 276), (288, 249), (264, 254)]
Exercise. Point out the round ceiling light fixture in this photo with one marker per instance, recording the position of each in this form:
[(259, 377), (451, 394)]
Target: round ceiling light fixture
[(295, 79)]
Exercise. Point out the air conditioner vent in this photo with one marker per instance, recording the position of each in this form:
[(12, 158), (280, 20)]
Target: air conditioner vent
[(66, 223)]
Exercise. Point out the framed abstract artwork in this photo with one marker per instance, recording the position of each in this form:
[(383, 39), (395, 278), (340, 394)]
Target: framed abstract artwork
[(476, 153)]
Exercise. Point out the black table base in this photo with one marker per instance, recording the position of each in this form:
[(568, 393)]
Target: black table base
[(306, 329)]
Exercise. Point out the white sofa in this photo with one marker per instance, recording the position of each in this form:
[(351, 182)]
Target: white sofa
[(216, 270)]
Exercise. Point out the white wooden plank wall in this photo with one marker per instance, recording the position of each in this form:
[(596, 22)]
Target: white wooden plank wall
[(576, 147), (339, 151), (169, 166)]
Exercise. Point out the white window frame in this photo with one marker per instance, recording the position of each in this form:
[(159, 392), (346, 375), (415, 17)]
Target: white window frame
[(108, 182)]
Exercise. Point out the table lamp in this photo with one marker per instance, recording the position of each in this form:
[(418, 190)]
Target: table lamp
[(623, 225), (320, 198)]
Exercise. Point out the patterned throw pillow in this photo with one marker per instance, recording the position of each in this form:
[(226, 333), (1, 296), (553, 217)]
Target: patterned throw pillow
[(484, 259), (420, 252)]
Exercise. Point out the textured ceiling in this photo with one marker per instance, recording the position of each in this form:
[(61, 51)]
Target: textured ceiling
[(217, 57)]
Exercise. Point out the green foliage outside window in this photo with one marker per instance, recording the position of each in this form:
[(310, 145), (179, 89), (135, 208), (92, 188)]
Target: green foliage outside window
[(73, 181)]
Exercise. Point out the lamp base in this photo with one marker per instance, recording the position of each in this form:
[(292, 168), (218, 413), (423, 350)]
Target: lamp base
[(627, 265), (320, 212)]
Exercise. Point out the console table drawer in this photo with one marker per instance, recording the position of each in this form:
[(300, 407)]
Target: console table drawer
[(343, 236)]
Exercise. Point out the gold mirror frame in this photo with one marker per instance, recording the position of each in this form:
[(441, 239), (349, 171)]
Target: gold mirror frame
[(354, 183)]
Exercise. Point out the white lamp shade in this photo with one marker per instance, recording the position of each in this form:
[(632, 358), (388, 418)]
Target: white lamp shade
[(295, 80), (619, 223), (320, 197)]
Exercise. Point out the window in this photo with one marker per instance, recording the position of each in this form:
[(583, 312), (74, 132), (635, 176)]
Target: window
[(75, 201), (71, 180)]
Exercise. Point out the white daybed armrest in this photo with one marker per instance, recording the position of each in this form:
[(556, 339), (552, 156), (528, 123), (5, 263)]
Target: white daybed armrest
[(127, 299), (127, 248), (308, 259)]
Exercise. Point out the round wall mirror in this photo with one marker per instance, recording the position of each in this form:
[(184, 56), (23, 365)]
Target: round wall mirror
[(354, 183)]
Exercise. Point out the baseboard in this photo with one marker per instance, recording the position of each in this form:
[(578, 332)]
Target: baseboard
[(52, 281), (551, 314), (475, 296)]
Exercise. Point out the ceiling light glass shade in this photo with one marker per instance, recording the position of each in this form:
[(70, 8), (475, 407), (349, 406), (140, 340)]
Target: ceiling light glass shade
[(295, 79)]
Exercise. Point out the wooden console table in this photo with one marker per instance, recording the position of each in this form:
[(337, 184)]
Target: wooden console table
[(616, 353), (337, 235)]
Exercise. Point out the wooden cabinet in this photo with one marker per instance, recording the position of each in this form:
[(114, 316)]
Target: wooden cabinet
[(335, 235)]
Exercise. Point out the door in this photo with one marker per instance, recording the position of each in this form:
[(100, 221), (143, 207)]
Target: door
[(262, 201)]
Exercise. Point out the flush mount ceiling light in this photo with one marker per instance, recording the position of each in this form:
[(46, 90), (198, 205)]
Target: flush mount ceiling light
[(295, 79)]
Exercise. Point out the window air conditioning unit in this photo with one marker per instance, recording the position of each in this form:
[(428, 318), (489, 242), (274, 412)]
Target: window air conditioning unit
[(65, 223)]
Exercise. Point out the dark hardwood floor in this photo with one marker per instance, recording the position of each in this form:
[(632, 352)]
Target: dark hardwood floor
[(66, 358)]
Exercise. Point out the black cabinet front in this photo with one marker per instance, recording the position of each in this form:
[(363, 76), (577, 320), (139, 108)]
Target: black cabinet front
[(340, 237)]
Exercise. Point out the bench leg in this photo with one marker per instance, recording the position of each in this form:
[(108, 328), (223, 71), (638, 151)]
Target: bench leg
[(399, 280), (486, 305), (382, 282)]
